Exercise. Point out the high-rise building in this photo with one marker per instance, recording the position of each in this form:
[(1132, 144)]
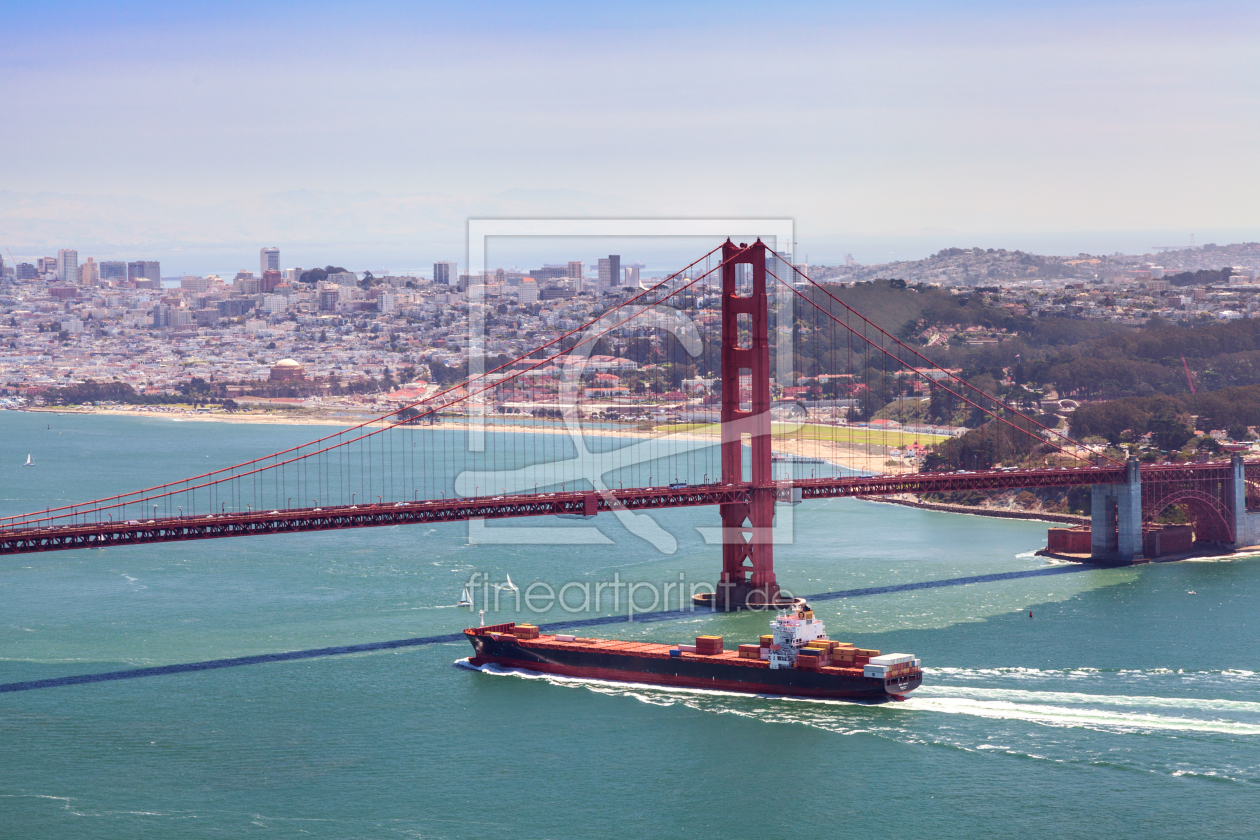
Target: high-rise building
[(270, 279), (68, 266), (577, 275), (268, 260), (632, 276), (47, 265), (25, 271), (610, 272), (113, 271), (89, 273), (528, 290), (146, 274), (446, 273)]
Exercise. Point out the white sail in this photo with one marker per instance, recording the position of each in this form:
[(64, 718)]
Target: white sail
[(28, 460), (465, 600), (509, 586)]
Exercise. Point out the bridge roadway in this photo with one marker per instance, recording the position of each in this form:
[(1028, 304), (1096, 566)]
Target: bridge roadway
[(37, 536)]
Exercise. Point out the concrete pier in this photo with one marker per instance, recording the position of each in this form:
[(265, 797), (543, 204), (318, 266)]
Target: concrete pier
[(1116, 518), (1246, 525)]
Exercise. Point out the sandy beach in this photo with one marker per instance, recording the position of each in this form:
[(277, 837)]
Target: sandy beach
[(863, 458)]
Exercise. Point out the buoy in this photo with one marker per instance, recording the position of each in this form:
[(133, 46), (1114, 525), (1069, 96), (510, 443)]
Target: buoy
[(1030, 613)]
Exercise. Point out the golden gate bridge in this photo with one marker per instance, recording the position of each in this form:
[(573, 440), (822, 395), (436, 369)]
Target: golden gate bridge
[(444, 458)]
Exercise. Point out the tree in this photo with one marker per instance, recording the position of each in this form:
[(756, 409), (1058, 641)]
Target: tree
[(1169, 430)]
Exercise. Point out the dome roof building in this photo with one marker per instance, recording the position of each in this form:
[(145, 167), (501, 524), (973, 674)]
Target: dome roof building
[(287, 370)]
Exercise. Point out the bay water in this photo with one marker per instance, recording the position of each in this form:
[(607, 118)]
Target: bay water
[(1126, 705)]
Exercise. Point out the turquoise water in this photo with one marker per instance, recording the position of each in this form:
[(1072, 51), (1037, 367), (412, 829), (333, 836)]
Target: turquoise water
[(1125, 707)]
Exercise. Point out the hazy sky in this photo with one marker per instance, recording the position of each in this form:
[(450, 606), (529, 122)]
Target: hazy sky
[(384, 125)]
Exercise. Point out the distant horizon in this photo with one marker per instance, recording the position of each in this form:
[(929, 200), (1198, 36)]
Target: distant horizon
[(660, 258)]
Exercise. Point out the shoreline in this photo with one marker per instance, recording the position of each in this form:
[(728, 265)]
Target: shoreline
[(856, 457), (996, 513)]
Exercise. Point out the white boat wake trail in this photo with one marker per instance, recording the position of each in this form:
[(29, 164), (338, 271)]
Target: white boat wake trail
[(1079, 727)]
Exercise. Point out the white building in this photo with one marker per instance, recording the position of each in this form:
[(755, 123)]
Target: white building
[(528, 290), (446, 273), (271, 304), (268, 260), (387, 302), (347, 278), (68, 266)]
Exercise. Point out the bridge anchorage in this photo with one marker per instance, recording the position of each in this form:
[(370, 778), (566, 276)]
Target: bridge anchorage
[(1219, 498)]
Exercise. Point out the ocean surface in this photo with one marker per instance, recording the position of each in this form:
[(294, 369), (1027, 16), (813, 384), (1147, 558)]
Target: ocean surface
[(1127, 705)]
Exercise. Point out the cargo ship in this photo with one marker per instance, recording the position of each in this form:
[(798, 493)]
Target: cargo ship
[(796, 659)]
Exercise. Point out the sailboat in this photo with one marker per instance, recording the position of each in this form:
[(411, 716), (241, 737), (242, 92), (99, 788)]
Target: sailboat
[(28, 460), (509, 586), (465, 600)]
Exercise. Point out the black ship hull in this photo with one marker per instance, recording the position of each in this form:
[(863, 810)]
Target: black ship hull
[(688, 671)]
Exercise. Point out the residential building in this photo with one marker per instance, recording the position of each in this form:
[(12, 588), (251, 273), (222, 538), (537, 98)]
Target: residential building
[(163, 316), (196, 285), (89, 273), (68, 266)]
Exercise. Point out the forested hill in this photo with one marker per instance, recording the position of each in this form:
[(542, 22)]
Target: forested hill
[(1080, 358)]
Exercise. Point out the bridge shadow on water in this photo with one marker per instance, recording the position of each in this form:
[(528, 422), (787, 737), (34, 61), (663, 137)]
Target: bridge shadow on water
[(663, 615)]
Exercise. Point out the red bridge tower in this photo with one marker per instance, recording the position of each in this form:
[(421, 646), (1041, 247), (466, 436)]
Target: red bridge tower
[(747, 544)]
